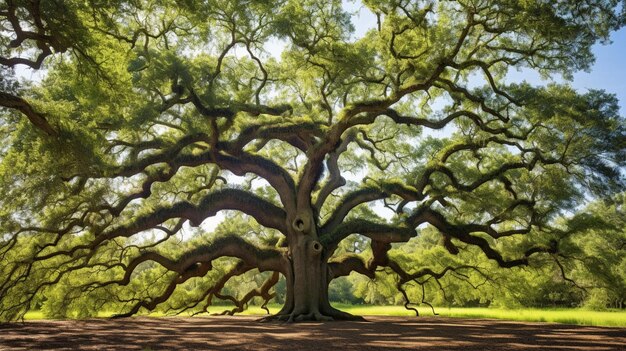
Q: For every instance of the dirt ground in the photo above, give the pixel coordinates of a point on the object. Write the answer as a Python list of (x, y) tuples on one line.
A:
[(244, 333)]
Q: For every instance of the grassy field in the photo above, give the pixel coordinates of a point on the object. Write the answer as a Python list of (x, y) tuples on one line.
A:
[(567, 316)]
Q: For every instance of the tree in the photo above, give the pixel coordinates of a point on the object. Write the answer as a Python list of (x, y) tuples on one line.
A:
[(597, 250), (152, 117)]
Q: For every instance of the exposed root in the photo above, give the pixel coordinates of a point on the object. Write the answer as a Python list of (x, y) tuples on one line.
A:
[(339, 315), (329, 314), (313, 317), (292, 318), (274, 318)]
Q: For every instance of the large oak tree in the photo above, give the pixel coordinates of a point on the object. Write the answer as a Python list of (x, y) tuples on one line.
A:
[(144, 118)]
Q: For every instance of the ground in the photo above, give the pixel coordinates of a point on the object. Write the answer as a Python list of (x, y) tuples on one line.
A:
[(244, 333)]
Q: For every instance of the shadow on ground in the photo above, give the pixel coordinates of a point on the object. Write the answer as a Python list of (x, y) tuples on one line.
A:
[(244, 333)]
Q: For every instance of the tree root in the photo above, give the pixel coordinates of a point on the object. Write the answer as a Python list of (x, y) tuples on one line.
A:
[(335, 315), (341, 315), (292, 318)]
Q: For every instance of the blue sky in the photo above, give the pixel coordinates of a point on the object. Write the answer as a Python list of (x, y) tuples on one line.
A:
[(609, 70), (608, 73)]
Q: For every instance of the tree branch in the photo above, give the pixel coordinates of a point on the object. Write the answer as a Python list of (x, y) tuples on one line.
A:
[(21, 105)]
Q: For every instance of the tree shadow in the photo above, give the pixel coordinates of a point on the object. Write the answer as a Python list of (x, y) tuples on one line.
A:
[(244, 333)]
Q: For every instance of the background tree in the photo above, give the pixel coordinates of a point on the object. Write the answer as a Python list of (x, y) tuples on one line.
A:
[(596, 259), (153, 117)]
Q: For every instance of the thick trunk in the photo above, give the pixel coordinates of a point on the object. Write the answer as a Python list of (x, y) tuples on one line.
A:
[(307, 278)]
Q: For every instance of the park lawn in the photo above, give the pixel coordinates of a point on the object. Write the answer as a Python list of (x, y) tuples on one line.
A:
[(563, 315), (567, 316)]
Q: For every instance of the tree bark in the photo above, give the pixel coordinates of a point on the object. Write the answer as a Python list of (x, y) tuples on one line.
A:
[(307, 278)]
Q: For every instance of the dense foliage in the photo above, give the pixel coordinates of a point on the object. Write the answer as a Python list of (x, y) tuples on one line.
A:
[(404, 155), (592, 274)]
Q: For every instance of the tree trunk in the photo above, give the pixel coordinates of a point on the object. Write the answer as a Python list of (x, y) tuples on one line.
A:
[(310, 279), (307, 278)]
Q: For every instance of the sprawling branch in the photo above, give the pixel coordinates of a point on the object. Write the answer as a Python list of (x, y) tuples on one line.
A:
[(298, 134), (232, 110), (349, 202), (266, 213), (21, 105), (382, 232), (263, 291), (463, 232), (367, 194), (197, 263), (152, 302), (335, 180), (29, 15), (317, 154), (242, 163), (237, 161), (344, 265)]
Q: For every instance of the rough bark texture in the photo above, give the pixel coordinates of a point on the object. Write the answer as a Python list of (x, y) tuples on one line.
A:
[(307, 275)]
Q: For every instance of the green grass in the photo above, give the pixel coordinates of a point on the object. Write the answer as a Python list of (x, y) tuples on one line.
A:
[(34, 315), (567, 316)]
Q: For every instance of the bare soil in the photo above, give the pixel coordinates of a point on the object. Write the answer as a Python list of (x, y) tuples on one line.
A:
[(245, 333)]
